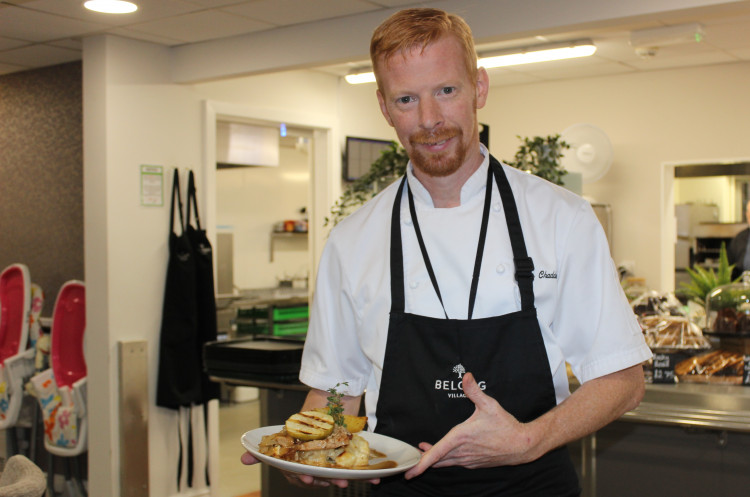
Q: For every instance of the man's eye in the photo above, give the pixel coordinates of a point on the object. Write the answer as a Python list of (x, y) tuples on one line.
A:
[(448, 90), (404, 100)]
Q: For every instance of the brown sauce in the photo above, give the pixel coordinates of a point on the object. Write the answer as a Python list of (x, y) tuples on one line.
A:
[(379, 465)]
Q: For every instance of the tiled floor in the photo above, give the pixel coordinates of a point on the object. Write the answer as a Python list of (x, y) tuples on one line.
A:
[(236, 479)]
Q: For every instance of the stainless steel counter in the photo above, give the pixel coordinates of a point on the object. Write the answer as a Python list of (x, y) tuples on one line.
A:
[(720, 407), (261, 296)]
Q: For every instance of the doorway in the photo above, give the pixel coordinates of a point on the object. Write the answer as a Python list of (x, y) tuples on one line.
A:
[(703, 206), (323, 186)]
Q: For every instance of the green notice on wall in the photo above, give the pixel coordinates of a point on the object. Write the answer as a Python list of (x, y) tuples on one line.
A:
[(152, 185)]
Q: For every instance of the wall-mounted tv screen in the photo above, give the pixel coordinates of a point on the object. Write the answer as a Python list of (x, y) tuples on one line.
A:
[(360, 154)]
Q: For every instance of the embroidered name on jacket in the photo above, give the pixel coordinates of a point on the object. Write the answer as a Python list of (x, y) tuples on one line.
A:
[(455, 388), (545, 274)]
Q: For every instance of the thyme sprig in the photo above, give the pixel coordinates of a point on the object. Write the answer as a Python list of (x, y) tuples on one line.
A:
[(335, 407)]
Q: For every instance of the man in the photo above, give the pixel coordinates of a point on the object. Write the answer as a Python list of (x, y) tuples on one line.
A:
[(738, 252), (456, 296)]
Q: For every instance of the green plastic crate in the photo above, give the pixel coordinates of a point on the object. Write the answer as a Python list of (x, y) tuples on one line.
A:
[(289, 313), (252, 328), (285, 329), (259, 312)]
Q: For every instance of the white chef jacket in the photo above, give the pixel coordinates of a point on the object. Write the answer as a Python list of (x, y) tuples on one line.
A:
[(583, 313)]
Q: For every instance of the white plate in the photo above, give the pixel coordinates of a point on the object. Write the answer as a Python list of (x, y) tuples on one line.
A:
[(402, 453)]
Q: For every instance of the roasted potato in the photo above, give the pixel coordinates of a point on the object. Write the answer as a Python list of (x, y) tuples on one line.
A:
[(354, 424)]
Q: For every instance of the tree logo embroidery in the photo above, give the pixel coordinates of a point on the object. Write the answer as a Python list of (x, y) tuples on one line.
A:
[(459, 370)]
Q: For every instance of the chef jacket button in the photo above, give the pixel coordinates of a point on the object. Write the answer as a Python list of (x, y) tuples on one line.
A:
[(496, 207), (500, 268), (413, 285), (408, 222)]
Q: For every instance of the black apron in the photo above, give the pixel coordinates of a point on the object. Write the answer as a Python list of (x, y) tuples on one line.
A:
[(179, 379), (204, 286), (421, 397)]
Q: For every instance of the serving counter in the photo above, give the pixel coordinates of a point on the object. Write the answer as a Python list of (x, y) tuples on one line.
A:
[(683, 439)]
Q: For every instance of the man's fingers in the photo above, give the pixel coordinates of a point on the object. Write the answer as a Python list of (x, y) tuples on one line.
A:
[(248, 458), (432, 454), (474, 393)]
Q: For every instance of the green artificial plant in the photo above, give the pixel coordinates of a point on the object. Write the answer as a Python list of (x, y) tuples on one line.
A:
[(703, 281), (541, 156)]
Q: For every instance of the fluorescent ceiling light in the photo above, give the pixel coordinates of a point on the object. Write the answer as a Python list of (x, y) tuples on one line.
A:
[(543, 53), (667, 35), (111, 6), (360, 77)]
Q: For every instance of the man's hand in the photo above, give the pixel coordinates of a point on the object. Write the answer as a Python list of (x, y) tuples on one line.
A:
[(493, 437), (490, 437)]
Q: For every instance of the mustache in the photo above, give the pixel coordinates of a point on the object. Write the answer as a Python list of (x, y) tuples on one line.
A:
[(431, 137)]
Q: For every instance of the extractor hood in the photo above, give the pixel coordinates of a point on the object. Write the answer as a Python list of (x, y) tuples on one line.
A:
[(242, 145)]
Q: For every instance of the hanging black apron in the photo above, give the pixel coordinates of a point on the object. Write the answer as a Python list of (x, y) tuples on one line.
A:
[(179, 379), (421, 397), (204, 287)]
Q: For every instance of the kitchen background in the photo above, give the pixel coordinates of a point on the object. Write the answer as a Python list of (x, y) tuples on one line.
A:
[(136, 111)]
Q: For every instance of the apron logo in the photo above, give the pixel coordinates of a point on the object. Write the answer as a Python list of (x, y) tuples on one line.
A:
[(455, 389), (544, 274), (459, 370)]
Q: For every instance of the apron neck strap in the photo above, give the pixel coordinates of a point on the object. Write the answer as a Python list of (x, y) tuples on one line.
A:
[(423, 248), (192, 202), (523, 263), (176, 196), (397, 256), (524, 266)]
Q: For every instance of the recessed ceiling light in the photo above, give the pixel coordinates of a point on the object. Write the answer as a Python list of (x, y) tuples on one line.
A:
[(111, 6)]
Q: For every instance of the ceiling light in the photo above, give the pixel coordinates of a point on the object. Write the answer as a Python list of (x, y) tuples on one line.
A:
[(111, 6), (360, 76), (667, 35), (540, 53)]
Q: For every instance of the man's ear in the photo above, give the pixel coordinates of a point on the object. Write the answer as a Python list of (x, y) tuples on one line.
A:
[(383, 108), (483, 86)]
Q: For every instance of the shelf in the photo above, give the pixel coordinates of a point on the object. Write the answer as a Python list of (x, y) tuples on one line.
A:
[(288, 235)]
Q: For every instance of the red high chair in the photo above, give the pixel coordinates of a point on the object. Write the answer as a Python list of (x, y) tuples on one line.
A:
[(61, 389), (16, 361)]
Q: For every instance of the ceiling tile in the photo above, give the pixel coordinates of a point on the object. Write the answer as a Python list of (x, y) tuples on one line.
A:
[(393, 3), (30, 25), (148, 10), (8, 43), (39, 56), (144, 36), (200, 26), (662, 62), (286, 12), (10, 68)]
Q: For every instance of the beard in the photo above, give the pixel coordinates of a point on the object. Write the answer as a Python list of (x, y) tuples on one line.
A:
[(440, 164)]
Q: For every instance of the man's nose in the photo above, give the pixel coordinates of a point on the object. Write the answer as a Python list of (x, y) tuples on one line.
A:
[(430, 114)]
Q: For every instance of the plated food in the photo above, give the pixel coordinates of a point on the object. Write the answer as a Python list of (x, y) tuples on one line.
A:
[(316, 438), (325, 442)]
